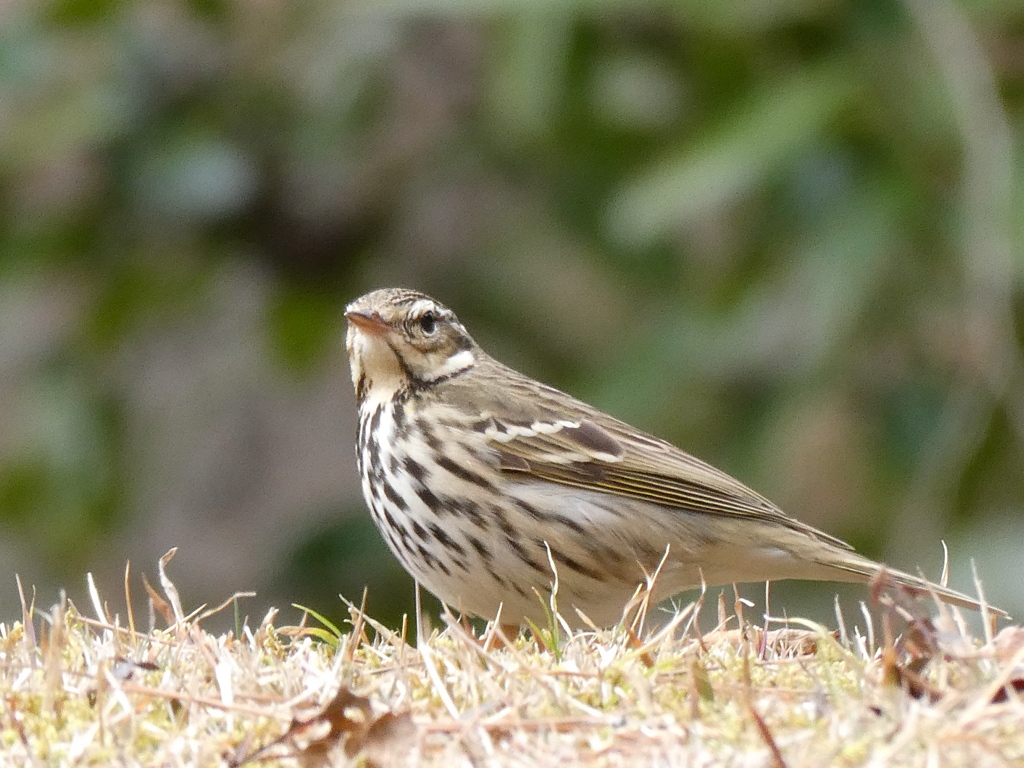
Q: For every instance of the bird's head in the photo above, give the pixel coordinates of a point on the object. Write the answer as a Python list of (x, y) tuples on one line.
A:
[(400, 339)]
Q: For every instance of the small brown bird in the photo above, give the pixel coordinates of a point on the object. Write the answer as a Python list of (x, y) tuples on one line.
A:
[(485, 483)]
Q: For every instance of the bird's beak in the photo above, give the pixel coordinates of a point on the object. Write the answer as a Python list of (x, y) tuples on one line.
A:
[(370, 322)]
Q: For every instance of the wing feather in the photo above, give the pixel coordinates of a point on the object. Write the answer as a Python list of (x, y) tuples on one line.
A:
[(585, 448)]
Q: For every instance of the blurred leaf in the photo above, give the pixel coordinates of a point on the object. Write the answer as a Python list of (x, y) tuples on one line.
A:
[(301, 324), (140, 292), (755, 140), (191, 173), (72, 12), (62, 123), (798, 319), (732, 16), (216, 10), (65, 473), (791, 320), (23, 489), (528, 75), (637, 92)]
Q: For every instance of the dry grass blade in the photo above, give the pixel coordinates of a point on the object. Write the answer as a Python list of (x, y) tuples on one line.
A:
[(795, 695)]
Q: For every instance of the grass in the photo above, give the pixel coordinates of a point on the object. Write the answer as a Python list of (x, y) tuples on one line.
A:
[(911, 690)]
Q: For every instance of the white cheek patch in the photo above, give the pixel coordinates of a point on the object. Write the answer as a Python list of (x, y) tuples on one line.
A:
[(460, 361)]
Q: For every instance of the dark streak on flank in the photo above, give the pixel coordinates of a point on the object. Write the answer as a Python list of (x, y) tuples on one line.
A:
[(432, 441), (471, 510), (531, 510), (569, 523), (420, 531), (414, 469), (432, 561), (394, 497), (441, 535), (516, 547), (550, 517), (574, 565), (481, 549), (462, 473), (394, 464), (394, 526), (506, 528), (428, 497)]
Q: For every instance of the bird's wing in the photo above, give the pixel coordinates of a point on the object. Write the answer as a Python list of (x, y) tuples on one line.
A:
[(612, 457)]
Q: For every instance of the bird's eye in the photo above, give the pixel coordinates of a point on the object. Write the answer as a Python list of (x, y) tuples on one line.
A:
[(428, 323)]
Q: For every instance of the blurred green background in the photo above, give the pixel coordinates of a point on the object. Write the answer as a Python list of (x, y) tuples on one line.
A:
[(785, 234)]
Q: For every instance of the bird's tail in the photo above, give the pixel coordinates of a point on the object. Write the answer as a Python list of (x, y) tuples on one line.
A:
[(862, 569)]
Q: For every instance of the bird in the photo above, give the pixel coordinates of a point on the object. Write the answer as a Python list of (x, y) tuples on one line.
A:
[(491, 488)]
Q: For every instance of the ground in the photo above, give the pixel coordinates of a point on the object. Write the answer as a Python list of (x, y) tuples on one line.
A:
[(915, 689)]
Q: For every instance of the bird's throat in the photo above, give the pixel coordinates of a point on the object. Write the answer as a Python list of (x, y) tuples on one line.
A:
[(377, 374)]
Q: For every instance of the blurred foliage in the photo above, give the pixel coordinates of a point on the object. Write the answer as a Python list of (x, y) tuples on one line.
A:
[(786, 235)]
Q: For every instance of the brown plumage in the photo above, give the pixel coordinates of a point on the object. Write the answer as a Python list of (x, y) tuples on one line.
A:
[(485, 482)]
